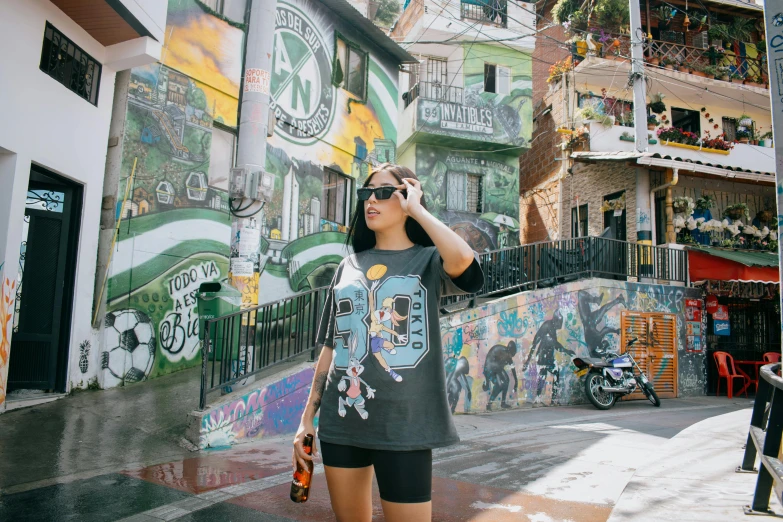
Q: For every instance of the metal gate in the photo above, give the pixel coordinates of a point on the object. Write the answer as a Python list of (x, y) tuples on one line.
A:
[(656, 349), (43, 297)]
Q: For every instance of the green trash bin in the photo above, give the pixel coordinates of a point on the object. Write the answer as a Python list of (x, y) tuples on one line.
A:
[(216, 300)]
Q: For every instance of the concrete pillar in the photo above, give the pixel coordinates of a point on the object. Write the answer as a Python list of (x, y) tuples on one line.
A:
[(671, 237), (643, 222), (111, 180)]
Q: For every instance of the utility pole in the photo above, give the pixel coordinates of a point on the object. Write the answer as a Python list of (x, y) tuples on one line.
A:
[(644, 213), (773, 24), (250, 186)]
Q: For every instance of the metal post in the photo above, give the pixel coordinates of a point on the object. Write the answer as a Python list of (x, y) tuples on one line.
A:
[(773, 10), (251, 147), (637, 74)]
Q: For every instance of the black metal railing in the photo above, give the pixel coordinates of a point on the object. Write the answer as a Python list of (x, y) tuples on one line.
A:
[(493, 12), (240, 345), (766, 428), (433, 91), (540, 265)]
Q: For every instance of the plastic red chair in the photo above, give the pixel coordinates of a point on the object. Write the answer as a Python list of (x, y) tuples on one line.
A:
[(726, 370), (772, 357)]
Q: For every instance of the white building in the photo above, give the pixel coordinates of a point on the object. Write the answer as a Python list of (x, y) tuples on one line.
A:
[(60, 65)]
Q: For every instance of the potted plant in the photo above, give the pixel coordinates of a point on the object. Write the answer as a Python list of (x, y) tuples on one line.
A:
[(765, 216), (654, 59), (745, 121), (698, 70), (743, 135), (683, 205), (737, 78), (650, 139), (656, 103), (766, 140), (652, 122), (588, 114), (737, 211), (710, 71), (627, 136), (723, 73), (755, 81), (667, 63)]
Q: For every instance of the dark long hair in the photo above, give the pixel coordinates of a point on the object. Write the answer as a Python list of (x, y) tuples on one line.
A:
[(361, 238)]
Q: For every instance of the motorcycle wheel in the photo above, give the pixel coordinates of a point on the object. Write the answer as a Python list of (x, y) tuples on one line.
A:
[(601, 400), (652, 396)]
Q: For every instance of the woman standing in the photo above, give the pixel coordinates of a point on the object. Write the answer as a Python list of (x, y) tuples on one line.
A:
[(380, 379)]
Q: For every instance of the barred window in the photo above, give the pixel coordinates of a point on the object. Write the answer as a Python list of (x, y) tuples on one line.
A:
[(67, 63)]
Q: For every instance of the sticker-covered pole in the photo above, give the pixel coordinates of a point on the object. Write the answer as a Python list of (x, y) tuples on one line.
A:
[(251, 147), (773, 23)]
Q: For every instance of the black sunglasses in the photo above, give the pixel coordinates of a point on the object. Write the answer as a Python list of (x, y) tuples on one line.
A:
[(384, 192)]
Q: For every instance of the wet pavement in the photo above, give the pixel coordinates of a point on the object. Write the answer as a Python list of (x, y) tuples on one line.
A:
[(115, 455)]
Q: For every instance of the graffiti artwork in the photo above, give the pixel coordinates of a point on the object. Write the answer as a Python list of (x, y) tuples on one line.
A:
[(531, 338), (7, 297), (176, 231)]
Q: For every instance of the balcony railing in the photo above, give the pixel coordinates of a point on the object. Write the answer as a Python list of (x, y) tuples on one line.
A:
[(493, 12), (434, 91), (240, 345)]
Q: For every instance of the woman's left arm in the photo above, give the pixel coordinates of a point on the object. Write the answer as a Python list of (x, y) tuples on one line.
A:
[(456, 253)]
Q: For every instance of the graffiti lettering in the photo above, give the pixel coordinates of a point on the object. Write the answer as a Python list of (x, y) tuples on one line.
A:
[(173, 335), (511, 325)]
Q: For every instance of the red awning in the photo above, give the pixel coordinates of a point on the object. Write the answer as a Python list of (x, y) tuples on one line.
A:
[(704, 265)]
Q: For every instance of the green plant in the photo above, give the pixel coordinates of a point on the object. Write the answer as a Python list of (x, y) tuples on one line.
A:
[(740, 28), (737, 76), (563, 10), (710, 70), (652, 120), (742, 133), (387, 13), (705, 202), (761, 46), (589, 112), (626, 134), (664, 13), (612, 14), (766, 136), (667, 61), (656, 103), (736, 211), (719, 32)]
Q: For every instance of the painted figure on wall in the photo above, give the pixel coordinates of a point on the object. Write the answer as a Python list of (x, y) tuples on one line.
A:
[(596, 337), (544, 346), (498, 359), (457, 380)]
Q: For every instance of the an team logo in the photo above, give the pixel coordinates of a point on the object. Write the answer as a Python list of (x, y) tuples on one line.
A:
[(301, 78)]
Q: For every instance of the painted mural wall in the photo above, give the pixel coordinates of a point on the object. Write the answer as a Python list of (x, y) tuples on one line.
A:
[(176, 231), (518, 350)]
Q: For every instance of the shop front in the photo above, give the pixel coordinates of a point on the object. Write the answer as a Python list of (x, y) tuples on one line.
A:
[(742, 308)]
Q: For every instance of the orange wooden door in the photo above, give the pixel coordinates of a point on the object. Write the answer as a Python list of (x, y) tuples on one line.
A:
[(655, 351)]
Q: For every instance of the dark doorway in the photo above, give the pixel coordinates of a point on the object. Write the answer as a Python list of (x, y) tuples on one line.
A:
[(614, 220), (39, 345)]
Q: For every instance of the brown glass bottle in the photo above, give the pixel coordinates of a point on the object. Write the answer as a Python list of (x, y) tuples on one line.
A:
[(300, 486)]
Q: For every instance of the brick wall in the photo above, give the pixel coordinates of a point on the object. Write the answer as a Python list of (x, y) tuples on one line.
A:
[(591, 183), (538, 167)]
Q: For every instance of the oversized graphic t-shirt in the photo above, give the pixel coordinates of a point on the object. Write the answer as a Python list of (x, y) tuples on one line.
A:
[(386, 386)]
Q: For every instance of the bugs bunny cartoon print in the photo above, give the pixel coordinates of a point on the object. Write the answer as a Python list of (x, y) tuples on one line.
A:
[(353, 383)]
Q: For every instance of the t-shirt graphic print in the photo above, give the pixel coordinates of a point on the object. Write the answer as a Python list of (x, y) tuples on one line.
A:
[(386, 384), (387, 321)]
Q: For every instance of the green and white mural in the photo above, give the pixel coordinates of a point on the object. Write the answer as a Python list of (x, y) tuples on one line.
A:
[(176, 232), (475, 193)]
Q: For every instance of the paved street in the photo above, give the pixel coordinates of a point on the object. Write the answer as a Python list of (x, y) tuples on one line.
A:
[(538, 465)]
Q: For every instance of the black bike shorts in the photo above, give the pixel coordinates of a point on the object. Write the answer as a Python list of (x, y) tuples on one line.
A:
[(404, 477)]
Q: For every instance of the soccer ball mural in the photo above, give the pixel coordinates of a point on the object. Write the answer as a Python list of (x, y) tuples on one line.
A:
[(130, 347)]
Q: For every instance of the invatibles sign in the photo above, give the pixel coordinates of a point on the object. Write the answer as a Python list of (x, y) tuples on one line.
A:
[(456, 119)]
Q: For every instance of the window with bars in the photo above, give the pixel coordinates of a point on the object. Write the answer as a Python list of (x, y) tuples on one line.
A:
[(464, 192), (67, 63), (335, 196), (436, 70)]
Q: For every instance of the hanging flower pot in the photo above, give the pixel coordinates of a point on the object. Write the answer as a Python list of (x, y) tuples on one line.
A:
[(746, 122)]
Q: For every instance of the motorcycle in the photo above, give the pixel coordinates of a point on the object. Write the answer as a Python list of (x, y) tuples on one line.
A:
[(612, 377)]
